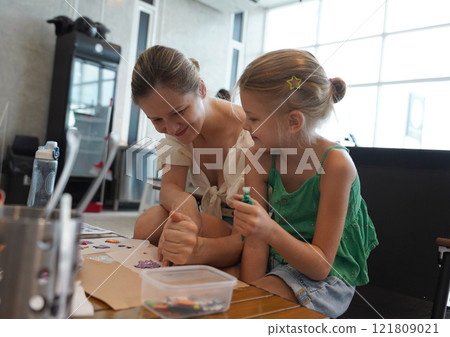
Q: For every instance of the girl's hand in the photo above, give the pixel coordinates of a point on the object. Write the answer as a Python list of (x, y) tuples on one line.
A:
[(251, 219), (178, 240)]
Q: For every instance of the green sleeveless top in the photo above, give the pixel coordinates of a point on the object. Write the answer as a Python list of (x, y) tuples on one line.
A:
[(297, 213)]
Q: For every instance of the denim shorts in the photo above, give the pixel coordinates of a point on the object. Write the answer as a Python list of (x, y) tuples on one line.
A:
[(330, 296)]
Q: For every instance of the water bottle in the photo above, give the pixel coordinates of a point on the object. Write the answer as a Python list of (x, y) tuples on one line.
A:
[(44, 172)]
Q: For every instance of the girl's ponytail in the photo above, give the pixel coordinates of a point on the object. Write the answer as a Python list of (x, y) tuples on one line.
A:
[(338, 89)]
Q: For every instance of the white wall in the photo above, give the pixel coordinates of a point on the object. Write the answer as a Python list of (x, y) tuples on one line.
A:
[(28, 42), (199, 32), (254, 42), (27, 50)]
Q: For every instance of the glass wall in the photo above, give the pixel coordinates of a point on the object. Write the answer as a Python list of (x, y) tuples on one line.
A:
[(394, 56), (90, 109)]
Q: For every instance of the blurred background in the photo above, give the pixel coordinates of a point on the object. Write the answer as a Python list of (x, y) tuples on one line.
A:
[(393, 54)]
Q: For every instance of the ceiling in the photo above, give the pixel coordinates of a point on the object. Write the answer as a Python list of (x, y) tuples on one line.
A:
[(275, 3), (235, 6)]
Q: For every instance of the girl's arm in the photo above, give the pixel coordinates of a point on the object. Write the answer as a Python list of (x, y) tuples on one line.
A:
[(256, 251), (254, 259), (315, 259)]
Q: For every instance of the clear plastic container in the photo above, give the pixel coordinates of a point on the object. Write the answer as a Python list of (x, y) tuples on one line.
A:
[(186, 291)]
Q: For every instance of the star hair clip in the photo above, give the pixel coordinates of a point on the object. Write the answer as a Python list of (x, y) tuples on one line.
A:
[(294, 82)]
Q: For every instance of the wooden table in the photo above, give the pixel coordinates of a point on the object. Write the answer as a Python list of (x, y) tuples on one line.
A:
[(246, 302)]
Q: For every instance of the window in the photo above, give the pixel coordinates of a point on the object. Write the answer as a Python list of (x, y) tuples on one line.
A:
[(236, 46), (237, 27), (143, 37), (394, 56), (144, 24), (234, 67)]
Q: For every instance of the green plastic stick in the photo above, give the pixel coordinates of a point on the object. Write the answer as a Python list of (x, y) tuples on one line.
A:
[(247, 198)]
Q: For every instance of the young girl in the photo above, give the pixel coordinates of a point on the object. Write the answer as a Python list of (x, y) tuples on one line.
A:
[(168, 88), (319, 236)]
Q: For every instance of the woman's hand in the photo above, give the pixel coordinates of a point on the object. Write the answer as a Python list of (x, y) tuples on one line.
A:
[(178, 240), (251, 219)]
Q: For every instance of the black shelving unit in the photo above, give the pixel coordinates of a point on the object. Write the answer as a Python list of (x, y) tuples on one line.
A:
[(82, 96)]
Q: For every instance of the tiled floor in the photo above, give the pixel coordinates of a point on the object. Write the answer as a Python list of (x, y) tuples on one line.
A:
[(121, 222)]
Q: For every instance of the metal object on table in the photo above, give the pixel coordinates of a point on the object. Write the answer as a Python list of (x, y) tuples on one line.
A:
[(30, 256)]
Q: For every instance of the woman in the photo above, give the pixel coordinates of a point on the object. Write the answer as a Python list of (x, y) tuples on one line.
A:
[(204, 137)]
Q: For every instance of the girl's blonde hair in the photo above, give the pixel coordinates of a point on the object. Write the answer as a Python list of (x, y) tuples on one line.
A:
[(269, 75), (164, 66)]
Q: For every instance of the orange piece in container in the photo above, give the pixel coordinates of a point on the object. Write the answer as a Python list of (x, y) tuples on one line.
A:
[(183, 302)]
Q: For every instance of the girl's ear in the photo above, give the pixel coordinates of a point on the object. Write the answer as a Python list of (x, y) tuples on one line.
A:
[(295, 121), (201, 88)]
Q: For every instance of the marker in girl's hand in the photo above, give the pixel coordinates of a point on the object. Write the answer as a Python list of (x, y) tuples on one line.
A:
[(247, 198)]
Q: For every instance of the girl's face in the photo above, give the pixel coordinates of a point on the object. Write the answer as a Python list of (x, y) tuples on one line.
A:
[(260, 119), (178, 115)]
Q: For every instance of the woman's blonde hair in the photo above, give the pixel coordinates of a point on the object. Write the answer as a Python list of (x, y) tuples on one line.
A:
[(164, 66), (309, 90)]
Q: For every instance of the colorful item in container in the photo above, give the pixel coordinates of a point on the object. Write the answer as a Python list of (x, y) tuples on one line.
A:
[(147, 264), (183, 307)]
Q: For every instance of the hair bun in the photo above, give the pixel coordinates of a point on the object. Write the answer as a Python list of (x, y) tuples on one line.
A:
[(196, 64), (338, 88)]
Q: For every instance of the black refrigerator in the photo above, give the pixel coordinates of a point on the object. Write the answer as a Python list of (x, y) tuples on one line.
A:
[(82, 97)]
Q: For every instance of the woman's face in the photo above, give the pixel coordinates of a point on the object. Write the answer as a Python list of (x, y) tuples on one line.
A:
[(178, 115)]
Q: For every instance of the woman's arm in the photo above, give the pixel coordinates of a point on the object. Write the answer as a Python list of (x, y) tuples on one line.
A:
[(150, 224), (183, 245), (219, 252), (180, 242), (173, 196), (316, 259)]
